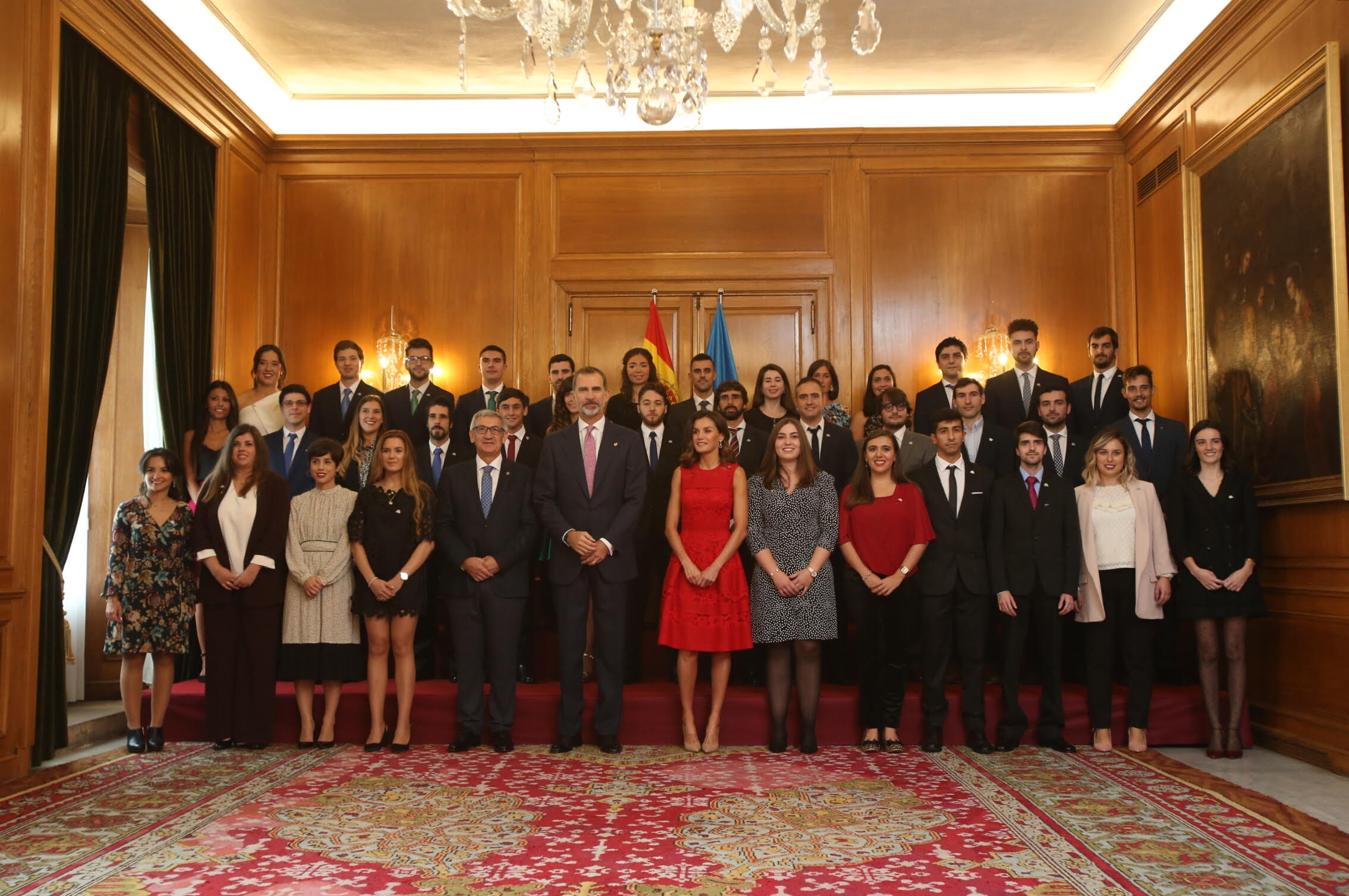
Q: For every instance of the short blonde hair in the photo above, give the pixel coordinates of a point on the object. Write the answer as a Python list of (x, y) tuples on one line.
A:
[(1110, 434)]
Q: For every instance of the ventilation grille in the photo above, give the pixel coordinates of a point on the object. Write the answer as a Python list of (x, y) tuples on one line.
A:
[(1165, 170)]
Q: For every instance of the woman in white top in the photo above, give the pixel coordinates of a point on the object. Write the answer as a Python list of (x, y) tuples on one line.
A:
[(1125, 580), (260, 407)]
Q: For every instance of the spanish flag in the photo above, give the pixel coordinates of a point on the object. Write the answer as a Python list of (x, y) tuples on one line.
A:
[(654, 342)]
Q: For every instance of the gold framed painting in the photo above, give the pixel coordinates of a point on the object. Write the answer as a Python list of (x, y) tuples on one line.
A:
[(1268, 326)]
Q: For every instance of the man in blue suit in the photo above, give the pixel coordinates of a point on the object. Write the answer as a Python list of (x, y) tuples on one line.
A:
[(287, 446), (1158, 443)]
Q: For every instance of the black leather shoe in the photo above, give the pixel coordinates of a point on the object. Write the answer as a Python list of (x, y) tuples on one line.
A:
[(808, 743), (1005, 746), (253, 745), (564, 745), (1059, 744), (395, 747), (135, 740), (222, 744), (777, 740), (932, 742), (501, 742), (523, 675), (465, 741), (154, 740), (608, 743), (979, 744)]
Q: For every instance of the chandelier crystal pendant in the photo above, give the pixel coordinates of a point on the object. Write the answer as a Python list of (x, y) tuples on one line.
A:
[(663, 62)]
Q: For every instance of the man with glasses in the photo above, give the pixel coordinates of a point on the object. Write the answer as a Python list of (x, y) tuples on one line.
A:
[(405, 406), (915, 449), (287, 446)]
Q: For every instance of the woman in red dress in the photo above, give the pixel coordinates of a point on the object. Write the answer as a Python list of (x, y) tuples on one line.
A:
[(705, 600)]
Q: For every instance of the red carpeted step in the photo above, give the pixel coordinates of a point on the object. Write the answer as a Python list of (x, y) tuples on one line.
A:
[(651, 714)]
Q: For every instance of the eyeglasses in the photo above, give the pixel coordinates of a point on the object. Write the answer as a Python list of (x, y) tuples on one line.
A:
[(484, 430), (421, 359)]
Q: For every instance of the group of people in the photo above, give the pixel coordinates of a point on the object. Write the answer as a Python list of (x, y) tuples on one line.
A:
[(324, 525)]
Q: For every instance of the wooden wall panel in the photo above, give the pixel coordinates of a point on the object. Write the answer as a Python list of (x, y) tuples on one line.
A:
[(238, 276)]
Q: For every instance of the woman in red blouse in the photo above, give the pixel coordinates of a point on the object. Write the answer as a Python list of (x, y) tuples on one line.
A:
[(883, 531)]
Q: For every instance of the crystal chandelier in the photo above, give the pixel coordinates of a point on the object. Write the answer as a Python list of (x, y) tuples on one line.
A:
[(391, 340), (992, 352), (661, 62)]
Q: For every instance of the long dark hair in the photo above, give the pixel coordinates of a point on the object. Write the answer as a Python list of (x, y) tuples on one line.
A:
[(832, 392), (257, 359), (871, 402), (1192, 456), (202, 421), (788, 403), (628, 386), (689, 457), (806, 471), (859, 491), (223, 474), (177, 488), (561, 416)]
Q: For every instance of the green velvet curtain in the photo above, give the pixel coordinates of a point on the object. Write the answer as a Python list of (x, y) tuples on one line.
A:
[(180, 191), (91, 176)]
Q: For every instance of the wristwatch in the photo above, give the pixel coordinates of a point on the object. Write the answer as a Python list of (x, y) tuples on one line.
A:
[(402, 575), (904, 570), (813, 573)]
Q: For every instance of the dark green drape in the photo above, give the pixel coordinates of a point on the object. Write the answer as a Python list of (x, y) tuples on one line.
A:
[(180, 192), (91, 176)]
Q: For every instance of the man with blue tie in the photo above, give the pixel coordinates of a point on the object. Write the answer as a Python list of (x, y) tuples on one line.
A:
[(286, 446), (433, 457), (437, 452), (331, 415), (1158, 442)]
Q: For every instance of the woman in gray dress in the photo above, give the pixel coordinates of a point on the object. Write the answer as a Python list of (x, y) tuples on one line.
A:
[(793, 527)]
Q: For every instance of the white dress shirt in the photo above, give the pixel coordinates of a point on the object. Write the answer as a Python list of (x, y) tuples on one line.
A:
[(236, 515), (943, 476), (646, 440)]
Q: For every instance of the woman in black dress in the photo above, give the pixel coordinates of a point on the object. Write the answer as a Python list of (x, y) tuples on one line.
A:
[(772, 399), (390, 533), (639, 368), (1215, 535), (879, 378)]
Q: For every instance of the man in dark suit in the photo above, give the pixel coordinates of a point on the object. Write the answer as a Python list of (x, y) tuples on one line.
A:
[(588, 492), (492, 373), (523, 447), (748, 444), (487, 534), (951, 354), (953, 578), (433, 457), (1098, 399), (287, 446), (331, 414), (1066, 451), (662, 444), (1158, 442), (703, 378), (1034, 554), (540, 415), (437, 453), (1014, 395), (405, 406), (834, 450), (985, 443)]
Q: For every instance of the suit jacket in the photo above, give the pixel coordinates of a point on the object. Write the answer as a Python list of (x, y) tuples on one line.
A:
[(996, 449), (509, 532), (267, 539), (753, 444), (327, 418), (1152, 553), (1168, 451), (398, 410), (421, 454), (915, 449), (299, 479), (838, 454), (1074, 456), (958, 549), (1028, 546), (1003, 394), (658, 490), (540, 416), (611, 512), (468, 404), (927, 404), (528, 450), (1113, 403), (681, 413)]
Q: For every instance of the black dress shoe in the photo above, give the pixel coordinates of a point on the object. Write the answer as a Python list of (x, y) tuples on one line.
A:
[(808, 743), (564, 745), (154, 739), (1059, 744), (777, 739), (223, 744), (523, 675), (135, 740), (979, 744), (253, 745), (932, 742), (501, 742), (1005, 746), (608, 743), (465, 741)]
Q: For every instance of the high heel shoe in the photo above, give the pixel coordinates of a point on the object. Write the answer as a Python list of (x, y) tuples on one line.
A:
[(395, 746), (691, 742), (374, 746), (777, 740), (135, 740), (1100, 740), (154, 739), (712, 740), (1215, 745), (1234, 747), (1138, 740)]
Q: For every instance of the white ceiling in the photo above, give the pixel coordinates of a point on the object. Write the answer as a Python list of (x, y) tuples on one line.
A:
[(362, 66)]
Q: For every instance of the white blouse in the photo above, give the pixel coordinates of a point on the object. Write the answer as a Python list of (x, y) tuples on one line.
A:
[(236, 515), (265, 414), (1112, 519)]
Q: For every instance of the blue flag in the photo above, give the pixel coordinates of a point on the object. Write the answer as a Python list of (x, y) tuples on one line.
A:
[(719, 347)]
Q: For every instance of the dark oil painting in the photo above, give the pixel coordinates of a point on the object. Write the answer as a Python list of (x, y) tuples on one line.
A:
[(1268, 290)]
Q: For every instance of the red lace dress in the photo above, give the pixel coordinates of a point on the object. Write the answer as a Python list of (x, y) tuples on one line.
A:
[(715, 618)]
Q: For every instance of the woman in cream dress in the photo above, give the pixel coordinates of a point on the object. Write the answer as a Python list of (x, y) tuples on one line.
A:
[(260, 406)]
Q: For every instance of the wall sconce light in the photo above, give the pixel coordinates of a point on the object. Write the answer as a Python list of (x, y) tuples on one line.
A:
[(392, 332), (992, 354)]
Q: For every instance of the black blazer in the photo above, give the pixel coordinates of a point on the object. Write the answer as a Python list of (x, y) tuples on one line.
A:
[(612, 512), (469, 403), (1168, 451), (267, 539), (1074, 455), (509, 533), (326, 418), (997, 451), (540, 416), (1113, 403), (421, 453), (1028, 547), (527, 451), (299, 479), (927, 404), (398, 410), (681, 413), (1003, 394), (958, 549), (623, 412), (658, 487), (1220, 532), (838, 454), (753, 445)]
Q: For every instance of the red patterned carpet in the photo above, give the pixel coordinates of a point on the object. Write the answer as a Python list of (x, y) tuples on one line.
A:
[(653, 821)]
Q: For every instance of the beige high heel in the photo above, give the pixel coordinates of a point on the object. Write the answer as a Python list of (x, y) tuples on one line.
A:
[(1100, 740), (713, 739), (1138, 740)]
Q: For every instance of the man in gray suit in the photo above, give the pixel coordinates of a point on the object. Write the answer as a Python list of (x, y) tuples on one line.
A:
[(915, 449)]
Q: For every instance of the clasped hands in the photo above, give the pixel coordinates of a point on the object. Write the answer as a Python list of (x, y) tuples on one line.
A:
[(480, 569), (701, 578), (592, 550), (1206, 577), (228, 580), (1007, 603), (793, 585)]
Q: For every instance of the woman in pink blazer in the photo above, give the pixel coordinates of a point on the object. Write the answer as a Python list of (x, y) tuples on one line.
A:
[(1125, 580)]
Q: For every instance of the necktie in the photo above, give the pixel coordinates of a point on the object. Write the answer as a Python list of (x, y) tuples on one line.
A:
[(1056, 451), (290, 450), (1031, 490), (653, 451), (1145, 436), (815, 442), (416, 397), (1096, 393), (491, 401), (437, 462), (734, 446), (346, 402), (486, 491), (1025, 392), (702, 405), (588, 458), (952, 495), (510, 449)]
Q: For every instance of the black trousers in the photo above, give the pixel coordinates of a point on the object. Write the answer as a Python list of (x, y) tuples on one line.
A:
[(535, 614), (485, 628), (1135, 638), (882, 647), (644, 601), (956, 621), (611, 606), (1039, 613), (241, 684)]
